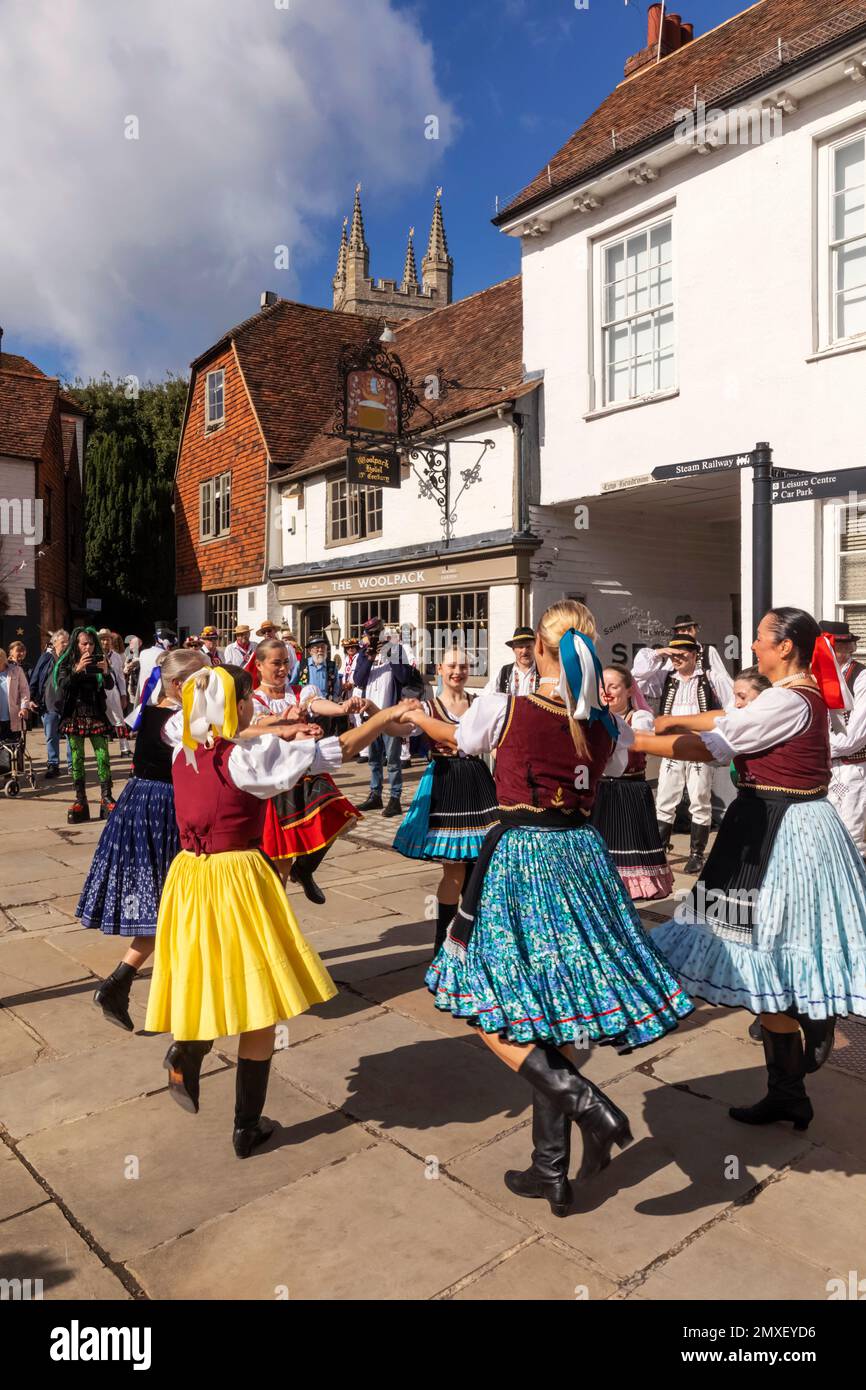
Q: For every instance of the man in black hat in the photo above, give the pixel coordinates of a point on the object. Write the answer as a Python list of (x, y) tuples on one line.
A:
[(652, 665), (517, 677), (687, 689), (848, 737)]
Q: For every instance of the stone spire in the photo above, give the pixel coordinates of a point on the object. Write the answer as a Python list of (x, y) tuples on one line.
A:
[(410, 270), (339, 281), (437, 266), (356, 236)]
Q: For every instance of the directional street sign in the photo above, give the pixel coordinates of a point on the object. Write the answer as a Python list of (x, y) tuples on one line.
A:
[(806, 487), (723, 463)]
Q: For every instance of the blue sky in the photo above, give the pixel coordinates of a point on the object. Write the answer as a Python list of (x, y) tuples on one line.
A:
[(133, 255)]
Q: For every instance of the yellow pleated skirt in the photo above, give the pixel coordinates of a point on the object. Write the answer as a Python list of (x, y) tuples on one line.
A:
[(229, 955)]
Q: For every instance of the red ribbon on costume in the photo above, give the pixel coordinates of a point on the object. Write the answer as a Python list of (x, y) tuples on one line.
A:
[(828, 674), (252, 666)]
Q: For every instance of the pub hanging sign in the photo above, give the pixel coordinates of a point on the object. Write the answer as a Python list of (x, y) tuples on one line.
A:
[(373, 468), (375, 399)]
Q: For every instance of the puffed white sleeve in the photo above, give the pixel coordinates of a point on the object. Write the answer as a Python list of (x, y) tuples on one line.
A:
[(267, 765), (719, 678), (616, 763), (774, 717), (308, 693), (480, 728), (649, 670), (852, 738), (172, 730)]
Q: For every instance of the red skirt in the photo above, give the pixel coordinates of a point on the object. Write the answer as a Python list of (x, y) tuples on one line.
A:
[(307, 818)]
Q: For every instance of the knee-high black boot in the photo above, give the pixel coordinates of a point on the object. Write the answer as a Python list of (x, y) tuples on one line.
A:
[(251, 1087), (548, 1174), (695, 862), (601, 1123), (819, 1035), (183, 1062), (786, 1097), (112, 995), (665, 829), (302, 871), (444, 917)]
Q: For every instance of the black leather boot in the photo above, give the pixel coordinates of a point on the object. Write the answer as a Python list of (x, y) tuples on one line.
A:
[(112, 996), (444, 917), (601, 1123), (373, 802), (183, 1062), (819, 1035), (695, 861), (79, 810), (107, 802), (786, 1097), (548, 1175), (394, 808), (665, 831), (302, 873), (251, 1087)]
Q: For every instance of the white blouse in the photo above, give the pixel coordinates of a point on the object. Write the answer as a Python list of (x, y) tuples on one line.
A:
[(774, 716), (267, 765), (852, 738), (263, 704), (480, 730)]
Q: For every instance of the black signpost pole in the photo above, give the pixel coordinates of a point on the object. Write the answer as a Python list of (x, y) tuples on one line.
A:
[(762, 532)]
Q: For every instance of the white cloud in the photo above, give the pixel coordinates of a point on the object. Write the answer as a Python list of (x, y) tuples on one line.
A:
[(254, 124)]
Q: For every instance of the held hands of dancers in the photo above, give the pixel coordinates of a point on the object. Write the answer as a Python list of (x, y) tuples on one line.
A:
[(385, 721)]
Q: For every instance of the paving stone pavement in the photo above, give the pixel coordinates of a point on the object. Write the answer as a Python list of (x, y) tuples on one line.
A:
[(384, 1179)]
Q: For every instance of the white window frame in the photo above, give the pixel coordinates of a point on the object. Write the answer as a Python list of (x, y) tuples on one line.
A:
[(222, 613), (600, 399), (826, 243), (214, 422), (215, 495), (353, 512)]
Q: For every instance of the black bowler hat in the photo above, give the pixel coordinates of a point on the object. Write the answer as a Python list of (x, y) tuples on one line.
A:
[(318, 639), (683, 644), (521, 634), (684, 620), (842, 630)]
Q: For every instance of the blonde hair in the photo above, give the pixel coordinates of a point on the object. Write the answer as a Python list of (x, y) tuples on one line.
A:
[(554, 623), (178, 666)]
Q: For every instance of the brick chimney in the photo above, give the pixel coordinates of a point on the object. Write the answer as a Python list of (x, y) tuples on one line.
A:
[(674, 35)]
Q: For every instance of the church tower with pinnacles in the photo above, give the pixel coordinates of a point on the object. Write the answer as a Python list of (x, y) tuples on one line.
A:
[(355, 292)]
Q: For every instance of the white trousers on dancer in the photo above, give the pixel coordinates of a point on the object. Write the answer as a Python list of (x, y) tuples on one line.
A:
[(848, 794), (697, 778)]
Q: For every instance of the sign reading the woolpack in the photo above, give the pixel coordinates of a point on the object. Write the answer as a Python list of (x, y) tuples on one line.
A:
[(376, 469), (805, 487), (721, 463)]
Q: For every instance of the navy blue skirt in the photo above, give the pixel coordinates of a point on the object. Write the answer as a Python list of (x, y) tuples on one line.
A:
[(122, 891)]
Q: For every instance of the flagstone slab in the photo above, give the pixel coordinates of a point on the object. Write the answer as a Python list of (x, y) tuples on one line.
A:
[(84, 1084), (821, 1213), (96, 952), (410, 1238), (29, 963), (17, 1048), (188, 1170), (728, 1262), (39, 890), (40, 918), (436, 1095), (19, 1190), (69, 1023), (537, 1273), (404, 991), (41, 1244), (360, 950)]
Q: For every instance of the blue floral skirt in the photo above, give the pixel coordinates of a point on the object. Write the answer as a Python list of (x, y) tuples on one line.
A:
[(807, 944), (122, 891), (452, 810), (558, 953)]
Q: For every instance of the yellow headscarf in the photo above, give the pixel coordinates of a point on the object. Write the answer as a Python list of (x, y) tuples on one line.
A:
[(210, 709)]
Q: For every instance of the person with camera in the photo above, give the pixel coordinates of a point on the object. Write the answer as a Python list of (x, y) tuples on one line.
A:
[(81, 679), (385, 675)]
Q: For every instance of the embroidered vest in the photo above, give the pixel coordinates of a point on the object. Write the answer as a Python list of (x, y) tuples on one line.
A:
[(152, 757), (213, 815), (854, 670), (706, 695), (802, 763), (537, 764)]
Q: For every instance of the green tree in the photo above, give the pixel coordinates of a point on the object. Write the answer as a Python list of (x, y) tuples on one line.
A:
[(129, 467)]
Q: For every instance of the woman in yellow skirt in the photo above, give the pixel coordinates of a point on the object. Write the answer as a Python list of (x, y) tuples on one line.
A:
[(230, 957)]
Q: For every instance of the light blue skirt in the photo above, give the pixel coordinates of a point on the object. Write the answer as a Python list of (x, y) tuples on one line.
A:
[(808, 945), (452, 810)]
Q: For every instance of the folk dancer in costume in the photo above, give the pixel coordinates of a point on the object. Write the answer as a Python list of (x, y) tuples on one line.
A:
[(239, 652), (351, 647), (230, 957), (455, 804), (81, 678), (302, 823), (624, 812), (209, 638), (777, 921), (517, 677), (122, 890), (848, 737), (547, 950), (165, 640), (684, 690)]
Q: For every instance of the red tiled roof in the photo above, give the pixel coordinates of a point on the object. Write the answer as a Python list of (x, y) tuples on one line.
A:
[(477, 340), (760, 43), (70, 439), (26, 403), (69, 404), (11, 362)]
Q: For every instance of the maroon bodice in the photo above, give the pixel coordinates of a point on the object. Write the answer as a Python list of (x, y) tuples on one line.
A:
[(537, 765), (801, 763), (213, 815)]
